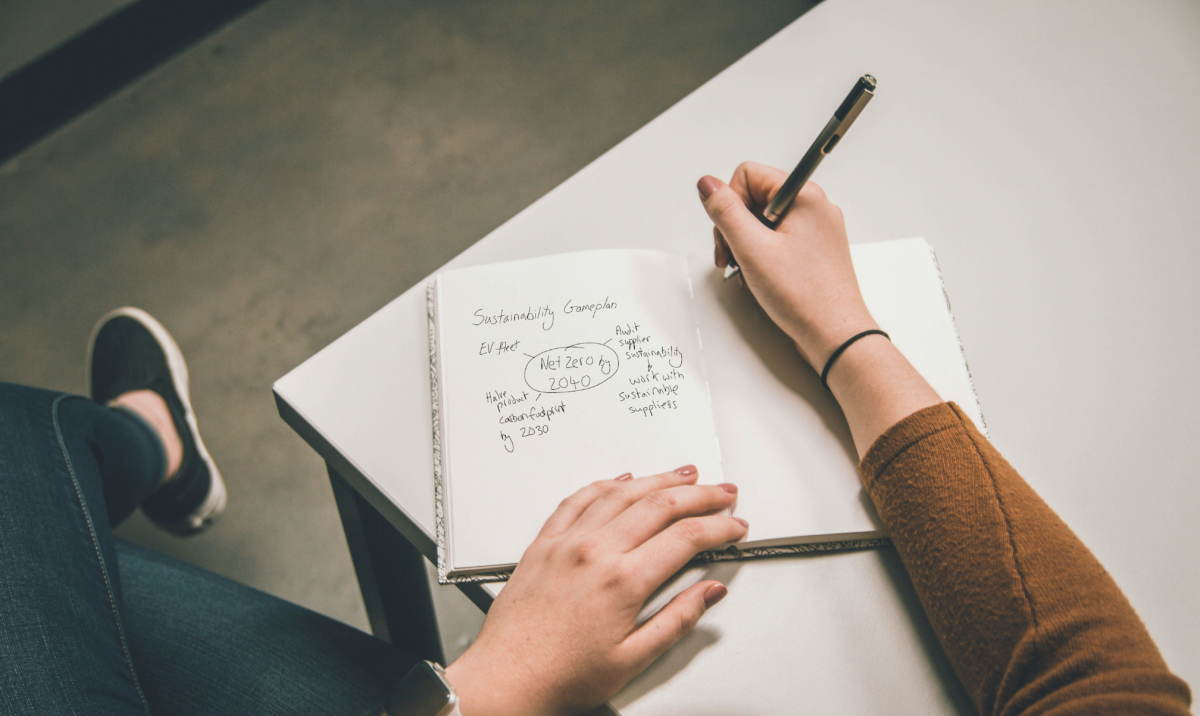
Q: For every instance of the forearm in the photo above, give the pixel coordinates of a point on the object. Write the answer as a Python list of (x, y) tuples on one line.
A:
[(1028, 617), (875, 385)]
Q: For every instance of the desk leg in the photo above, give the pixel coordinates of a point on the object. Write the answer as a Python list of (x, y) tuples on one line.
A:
[(391, 574)]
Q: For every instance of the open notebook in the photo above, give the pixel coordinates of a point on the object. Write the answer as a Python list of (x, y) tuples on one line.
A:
[(554, 372)]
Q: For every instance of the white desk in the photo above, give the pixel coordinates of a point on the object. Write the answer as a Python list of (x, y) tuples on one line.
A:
[(1050, 152)]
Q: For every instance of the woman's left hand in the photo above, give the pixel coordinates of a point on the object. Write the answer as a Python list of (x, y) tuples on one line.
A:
[(562, 637)]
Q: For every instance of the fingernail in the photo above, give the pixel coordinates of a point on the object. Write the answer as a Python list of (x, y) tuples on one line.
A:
[(707, 185), (742, 522), (728, 487), (626, 476), (714, 594), (686, 470)]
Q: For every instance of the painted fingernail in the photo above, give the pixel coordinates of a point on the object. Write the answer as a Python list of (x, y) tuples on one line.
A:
[(714, 594), (728, 487), (626, 476), (742, 522), (686, 470), (707, 185)]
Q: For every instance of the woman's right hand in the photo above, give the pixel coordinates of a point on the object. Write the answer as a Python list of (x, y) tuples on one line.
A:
[(800, 273), (802, 276)]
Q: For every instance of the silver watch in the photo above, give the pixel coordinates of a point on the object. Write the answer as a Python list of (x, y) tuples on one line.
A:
[(423, 691)]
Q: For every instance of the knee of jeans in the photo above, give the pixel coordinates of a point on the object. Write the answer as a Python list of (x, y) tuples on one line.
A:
[(20, 405), (22, 400), (24, 423)]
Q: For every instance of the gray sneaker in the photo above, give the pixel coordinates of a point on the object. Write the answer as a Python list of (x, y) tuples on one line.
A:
[(129, 350)]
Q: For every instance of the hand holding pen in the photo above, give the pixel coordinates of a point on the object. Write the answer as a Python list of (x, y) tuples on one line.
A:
[(834, 130), (801, 274)]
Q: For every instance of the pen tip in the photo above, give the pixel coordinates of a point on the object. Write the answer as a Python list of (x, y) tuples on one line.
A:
[(869, 81)]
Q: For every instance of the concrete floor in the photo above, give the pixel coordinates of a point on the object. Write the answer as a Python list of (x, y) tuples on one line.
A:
[(29, 29), (277, 183)]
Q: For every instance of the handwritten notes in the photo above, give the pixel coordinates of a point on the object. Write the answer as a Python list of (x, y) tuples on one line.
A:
[(556, 372), (572, 368)]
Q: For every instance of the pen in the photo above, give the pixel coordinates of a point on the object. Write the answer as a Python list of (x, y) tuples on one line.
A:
[(860, 94)]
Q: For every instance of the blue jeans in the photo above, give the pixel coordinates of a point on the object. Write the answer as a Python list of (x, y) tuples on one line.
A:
[(91, 624)]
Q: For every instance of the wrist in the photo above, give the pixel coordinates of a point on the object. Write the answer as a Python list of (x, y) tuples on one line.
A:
[(484, 691), (846, 345), (877, 387), (862, 361), (820, 343), (473, 697)]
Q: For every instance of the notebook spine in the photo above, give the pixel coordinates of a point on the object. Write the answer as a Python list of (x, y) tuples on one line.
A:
[(438, 491)]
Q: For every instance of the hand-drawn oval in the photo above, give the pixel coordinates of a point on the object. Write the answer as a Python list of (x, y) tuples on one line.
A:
[(573, 368)]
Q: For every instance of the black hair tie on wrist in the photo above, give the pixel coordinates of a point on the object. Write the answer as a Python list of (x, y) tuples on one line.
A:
[(842, 349)]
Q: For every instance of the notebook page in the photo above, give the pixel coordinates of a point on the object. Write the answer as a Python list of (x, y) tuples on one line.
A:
[(784, 440), (556, 372)]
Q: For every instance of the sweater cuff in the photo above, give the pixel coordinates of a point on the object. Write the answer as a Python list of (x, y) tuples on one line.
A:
[(907, 433)]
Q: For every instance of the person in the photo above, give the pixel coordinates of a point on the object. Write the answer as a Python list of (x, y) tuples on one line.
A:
[(1028, 618)]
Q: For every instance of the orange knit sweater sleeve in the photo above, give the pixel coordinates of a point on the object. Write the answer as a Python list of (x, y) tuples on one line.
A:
[(1029, 619)]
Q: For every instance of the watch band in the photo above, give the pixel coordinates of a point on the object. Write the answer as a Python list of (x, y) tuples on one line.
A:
[(424, 691)]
